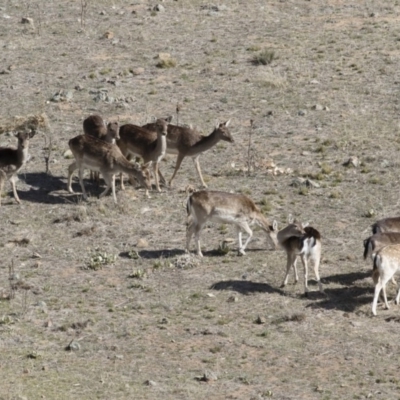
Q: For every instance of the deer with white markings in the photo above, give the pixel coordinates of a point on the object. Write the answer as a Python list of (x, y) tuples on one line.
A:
[(386, 264), (306, 246), (12, 160)]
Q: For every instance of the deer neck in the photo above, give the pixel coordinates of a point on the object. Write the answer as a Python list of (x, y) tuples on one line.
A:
[(205, 143), (22, 155), (161, 145)]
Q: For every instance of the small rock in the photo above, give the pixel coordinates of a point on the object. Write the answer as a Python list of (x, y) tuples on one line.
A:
[(138, 71), (260, 320), (73, 346), (103, 12), (317, 107), (150, 383), (68, 154), (302, 113), (311, 183), (36, 255), (314, 82), (352, 161), (142, 243), (298, 182), (207, 377), (233, 299), (159, 8), (108, 35), (27, 20), (210, 295)]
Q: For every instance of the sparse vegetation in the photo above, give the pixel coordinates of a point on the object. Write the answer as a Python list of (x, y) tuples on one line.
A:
[(165, 323)]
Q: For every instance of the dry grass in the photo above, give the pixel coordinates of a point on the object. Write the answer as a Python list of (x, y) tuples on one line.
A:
[(109, 306)]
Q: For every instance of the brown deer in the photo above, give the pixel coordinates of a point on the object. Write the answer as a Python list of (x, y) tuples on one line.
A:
[(386, 225), (187, 142), (229, 208), (137, 141), (98, 155), (12, 160), (94, 125)]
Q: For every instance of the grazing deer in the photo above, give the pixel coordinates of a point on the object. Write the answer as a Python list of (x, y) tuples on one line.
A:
[(224, 207), (307, 247), (386, 225), (12, 160), (135, 140), (187, 142), (386, 264), (98, 155)]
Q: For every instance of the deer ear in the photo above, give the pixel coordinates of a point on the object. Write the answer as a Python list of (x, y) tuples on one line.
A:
[(275, 225), (169, 118), (290, 219), (227, 123), (305, 224)]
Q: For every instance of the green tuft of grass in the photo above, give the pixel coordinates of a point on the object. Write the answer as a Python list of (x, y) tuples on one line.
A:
[(264, 58)]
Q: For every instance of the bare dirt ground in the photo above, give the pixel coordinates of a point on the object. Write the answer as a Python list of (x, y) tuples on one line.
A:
[(143, 321)]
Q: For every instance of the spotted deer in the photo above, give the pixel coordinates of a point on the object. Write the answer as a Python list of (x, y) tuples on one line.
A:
[(12, 160), (187, 142), (151, 146), (98, 155)]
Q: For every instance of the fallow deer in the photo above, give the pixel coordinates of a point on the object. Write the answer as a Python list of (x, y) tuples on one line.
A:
[(224, 207), (94, 125), (307, 247), (386, 225), (12, 160), (386, 264), (98, 155), (137, 141), (187, 142)]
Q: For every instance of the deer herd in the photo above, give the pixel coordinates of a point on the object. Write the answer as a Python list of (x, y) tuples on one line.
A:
[(107, 149)]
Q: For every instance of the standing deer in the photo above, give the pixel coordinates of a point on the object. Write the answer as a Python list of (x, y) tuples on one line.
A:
[(307, 247), (187, 142), (386, 264), (95, 126), (12, 160), (224, 207), (138, 141), (98, 155)]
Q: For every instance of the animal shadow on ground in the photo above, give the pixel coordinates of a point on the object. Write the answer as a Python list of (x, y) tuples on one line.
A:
[(154, 254), (246, 287), (347, 298), (41, 187)]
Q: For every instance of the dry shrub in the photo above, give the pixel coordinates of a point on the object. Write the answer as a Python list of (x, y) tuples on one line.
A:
[(26, 122)]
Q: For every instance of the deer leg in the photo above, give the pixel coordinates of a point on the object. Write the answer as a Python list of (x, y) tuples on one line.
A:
[(316, 272), (246, 228), (81, 182), (398, 297), (177, 166), (197, 229), (162, 179), (191, 226), (291, 260), (155, 171), (73, 167), (305, 265), (110, 182), (197, 166), (14, 188), (3, 178)]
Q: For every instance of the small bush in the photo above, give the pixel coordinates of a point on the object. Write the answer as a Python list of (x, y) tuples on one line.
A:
[(264, 58), (166, 63)]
